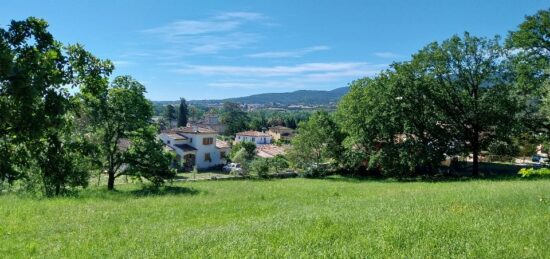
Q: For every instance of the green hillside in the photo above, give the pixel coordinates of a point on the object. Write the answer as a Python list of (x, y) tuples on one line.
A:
[(303, 97)]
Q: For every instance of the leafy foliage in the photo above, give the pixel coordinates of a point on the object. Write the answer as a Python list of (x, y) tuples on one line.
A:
[(234, 118), (146, 158), (260, 167), (318, 140), (36, 139), (249, 149), (450, 99), (531, 172)]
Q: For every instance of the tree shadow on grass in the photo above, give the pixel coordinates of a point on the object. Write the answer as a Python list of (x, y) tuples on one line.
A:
[(461, 173), (124, 193)]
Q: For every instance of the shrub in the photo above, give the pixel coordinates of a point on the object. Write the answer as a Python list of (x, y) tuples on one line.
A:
[(316, 170), (531, 172), (260, 167)]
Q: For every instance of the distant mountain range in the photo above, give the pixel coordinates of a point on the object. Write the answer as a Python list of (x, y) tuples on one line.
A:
[(300, 97)]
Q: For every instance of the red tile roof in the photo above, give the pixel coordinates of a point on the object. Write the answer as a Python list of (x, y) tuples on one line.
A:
[(252, 133), (268, 151), (278, 128), (175, 136), (221, 144), (192, 130)]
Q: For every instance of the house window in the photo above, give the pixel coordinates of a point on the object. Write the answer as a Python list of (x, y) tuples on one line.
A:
[(207, 157), (207, 141), (222, 154), (253, 139), (168, 142)]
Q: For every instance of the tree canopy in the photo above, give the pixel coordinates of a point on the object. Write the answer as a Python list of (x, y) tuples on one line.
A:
[(51, 139), (234, 118)]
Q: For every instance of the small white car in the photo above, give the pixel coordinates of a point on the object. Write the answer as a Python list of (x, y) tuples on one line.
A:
[(232, 167)]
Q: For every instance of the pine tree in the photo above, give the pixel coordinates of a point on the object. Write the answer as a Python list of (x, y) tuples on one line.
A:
[(183, 113)]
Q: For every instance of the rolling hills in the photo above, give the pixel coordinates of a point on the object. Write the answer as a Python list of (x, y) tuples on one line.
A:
[(303, 97)]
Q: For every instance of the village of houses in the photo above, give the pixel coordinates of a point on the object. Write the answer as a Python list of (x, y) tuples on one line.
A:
[(197, 146)]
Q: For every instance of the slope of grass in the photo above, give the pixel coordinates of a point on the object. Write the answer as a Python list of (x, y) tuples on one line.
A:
[(285, 218)]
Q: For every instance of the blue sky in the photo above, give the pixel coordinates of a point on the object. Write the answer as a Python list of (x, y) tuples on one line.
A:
[(218, 49)]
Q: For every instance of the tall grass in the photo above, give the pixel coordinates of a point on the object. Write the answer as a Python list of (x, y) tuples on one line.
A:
[(285, 218)]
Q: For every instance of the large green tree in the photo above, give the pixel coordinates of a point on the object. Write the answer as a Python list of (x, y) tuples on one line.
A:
[(318, 140), (468, 90), (390, 124), (125, 121), (234, 118), (115, 119), (451, 98), (36, 141), (529, 66)]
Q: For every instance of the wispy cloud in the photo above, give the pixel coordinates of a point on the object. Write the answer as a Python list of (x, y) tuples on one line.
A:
[(210, 35), (270, 71), (288, 54), (255, 84), (306, 75), (122, 63), (241, 15), (387, 55)]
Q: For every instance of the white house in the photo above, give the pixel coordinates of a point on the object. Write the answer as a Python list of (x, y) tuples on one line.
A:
[(256, 137), (195, 146)]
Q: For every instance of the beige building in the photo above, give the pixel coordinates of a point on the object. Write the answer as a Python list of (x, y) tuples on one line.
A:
[(280, 132), (210, 121)]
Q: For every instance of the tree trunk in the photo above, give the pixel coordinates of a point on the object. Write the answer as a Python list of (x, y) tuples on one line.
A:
[(475, 151), (111, 181)]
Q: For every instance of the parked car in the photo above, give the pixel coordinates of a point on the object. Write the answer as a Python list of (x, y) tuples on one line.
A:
[(232, 167)]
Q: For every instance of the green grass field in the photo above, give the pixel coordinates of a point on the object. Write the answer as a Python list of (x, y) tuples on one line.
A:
[(285, 218)]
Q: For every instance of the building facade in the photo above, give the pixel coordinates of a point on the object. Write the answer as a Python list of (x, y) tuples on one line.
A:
[(281, 133), (195, 146), (256, 137)]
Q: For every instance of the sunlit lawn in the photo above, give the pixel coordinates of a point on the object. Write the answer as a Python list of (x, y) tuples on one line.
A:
[(285, 218)]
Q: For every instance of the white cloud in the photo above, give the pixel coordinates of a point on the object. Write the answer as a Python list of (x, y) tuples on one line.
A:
[(387, 55), (300, 76), (207, 36), (288, 54), (284, 84), (263, 71), (188, 27), (241, 15), (122, 63)]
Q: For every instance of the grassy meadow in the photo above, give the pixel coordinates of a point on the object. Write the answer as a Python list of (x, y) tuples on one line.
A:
[(335, 217)]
